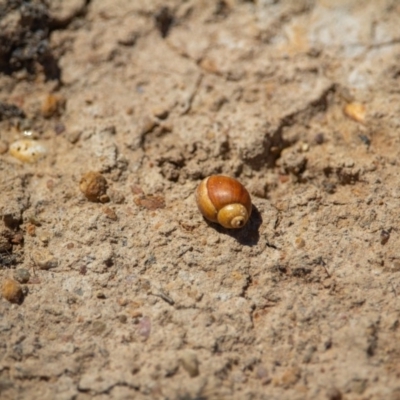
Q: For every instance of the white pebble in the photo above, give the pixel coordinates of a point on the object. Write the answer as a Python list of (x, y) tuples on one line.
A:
[(27, 150)]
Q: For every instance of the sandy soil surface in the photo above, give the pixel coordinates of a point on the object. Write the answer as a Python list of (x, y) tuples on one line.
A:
[(131, 294)]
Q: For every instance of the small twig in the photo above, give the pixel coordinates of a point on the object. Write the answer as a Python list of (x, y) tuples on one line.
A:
[(322, 263), (187, 104), (163, 296), (394, 289)]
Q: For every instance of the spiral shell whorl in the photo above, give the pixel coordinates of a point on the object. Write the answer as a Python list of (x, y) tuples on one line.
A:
[(233, 216)]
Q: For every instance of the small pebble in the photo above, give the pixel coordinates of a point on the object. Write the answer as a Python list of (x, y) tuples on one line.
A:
[(123, 301), (18, 238), (52, 336), (305, 147), (365, 139), (98, 327), (130, 111), (30, 229), (50, 184), (52, 104), (150, 202), (355, 111), (44, 259), (73, 135), (44, 237), (110, 213), (190, 363), (262, 374), (94, 186), (319, 138), (395, 267), (289, 378), (122, 318), (59, 128), (299, 242), (329, 187), (147, 125), (333, 394), (22, 275), (11, 290), (27, 150), (116, 196), (136, 314), (144, 328), (345, 94), (160, 112), (385, 236), (283, 178)]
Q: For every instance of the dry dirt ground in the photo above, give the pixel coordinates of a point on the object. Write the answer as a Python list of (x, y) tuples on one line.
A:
[(137, 296)]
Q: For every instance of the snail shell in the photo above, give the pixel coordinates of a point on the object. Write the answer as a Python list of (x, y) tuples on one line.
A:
[(224, 200)]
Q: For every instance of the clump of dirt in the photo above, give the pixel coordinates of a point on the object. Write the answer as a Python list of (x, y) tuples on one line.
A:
[(25, 32)]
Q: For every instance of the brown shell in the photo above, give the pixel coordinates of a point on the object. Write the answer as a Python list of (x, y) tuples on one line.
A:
[(218, 191)]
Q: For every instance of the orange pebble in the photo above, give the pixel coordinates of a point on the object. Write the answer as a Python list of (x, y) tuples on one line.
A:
[(355, 111), (11, 290)]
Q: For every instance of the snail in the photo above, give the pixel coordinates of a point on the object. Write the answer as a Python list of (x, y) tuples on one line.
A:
[(224, 200)]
